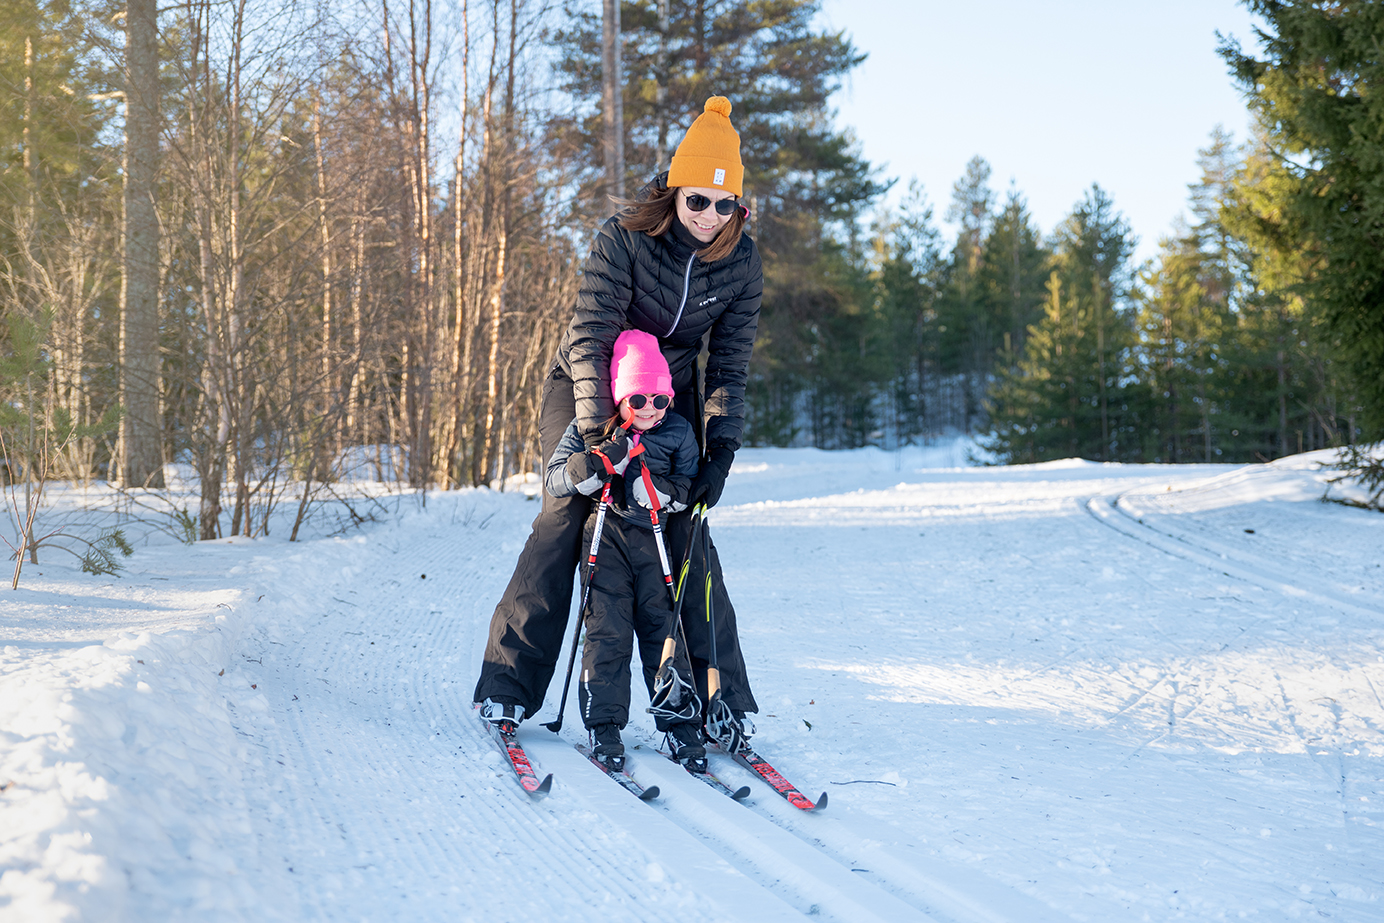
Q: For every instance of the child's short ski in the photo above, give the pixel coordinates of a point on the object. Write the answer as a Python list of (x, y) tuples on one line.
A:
[(753, 761), (737, 794), (519, 761), (619, 775)]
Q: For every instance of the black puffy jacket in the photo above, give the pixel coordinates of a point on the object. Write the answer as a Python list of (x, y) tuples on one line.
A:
[(656, 284)]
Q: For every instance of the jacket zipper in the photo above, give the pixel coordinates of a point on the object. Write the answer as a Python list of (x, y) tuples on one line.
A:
[(686, 285)]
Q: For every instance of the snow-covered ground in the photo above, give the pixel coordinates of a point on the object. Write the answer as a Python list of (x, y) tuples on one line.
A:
[(1062, 691)]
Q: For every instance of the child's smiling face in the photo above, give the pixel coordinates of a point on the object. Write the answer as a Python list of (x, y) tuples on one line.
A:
[(645, 418)]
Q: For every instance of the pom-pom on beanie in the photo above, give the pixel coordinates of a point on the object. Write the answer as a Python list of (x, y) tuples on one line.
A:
[(637, 366), (709, 155)]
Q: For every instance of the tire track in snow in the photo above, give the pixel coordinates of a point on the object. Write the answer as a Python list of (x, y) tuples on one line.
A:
[(1331, 758), (1107, 511), (1133, 703), (1335, 771), (1113, 512)]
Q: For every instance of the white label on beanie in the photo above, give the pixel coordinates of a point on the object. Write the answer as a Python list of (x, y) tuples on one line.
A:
[(720, 179)]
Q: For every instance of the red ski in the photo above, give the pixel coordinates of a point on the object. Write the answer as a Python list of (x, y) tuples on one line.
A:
[(519, 761), (760, 767)]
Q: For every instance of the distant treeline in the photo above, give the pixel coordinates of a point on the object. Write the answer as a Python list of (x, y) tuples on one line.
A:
[(260, 239), (1058, 345)]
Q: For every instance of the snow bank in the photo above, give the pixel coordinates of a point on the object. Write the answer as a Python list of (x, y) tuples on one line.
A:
[(127, 749)]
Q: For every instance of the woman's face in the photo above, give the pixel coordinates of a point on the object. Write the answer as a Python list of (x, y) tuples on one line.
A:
[(707, 223)]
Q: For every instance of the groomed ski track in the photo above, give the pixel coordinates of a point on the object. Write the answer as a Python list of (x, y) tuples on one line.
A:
[(380, 786)]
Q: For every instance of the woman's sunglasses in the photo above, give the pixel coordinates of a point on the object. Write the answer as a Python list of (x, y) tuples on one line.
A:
[(637, 401), (696, 202)]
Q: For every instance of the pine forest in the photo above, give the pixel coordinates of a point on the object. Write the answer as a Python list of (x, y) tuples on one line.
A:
[(270, 244)]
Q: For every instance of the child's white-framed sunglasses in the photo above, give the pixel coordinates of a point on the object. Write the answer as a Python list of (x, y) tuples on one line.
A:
[(637, 401)]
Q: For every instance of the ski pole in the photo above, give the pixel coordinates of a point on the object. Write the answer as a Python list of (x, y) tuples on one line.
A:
[(713, 668), (720, 720), (652, 493), (668, 684), (556, 724)]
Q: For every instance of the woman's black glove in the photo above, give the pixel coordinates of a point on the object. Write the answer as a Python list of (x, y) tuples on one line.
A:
[(711, 479)]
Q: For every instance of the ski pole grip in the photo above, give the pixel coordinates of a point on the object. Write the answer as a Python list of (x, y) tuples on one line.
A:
[(713, 683), (669, 648)]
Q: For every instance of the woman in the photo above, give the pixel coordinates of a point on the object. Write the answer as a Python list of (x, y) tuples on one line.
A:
[(676, 264)]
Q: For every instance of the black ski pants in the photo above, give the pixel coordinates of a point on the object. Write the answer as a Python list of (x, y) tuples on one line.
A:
[(528, 627), (629, 601)]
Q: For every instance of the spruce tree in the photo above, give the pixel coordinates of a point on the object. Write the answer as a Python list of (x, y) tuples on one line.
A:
[(1184, 320), (1286, 378), (1316, 90), (966, 331), (908, 259), (1074, 394), (1012, 277)]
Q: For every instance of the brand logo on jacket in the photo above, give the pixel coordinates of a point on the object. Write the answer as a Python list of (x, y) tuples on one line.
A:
[(704, 303), (720, 178)]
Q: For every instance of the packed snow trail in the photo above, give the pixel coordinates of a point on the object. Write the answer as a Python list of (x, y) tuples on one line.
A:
[(378, 682), (1156, 730), (1056, 691), (396, 805)]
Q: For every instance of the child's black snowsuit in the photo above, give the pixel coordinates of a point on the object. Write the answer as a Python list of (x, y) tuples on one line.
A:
[(628, 598)]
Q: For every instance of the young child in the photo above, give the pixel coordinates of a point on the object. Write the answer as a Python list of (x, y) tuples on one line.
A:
[(628, 596)]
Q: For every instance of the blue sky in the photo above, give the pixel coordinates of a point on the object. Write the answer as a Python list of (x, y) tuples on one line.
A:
[(1054, 95)]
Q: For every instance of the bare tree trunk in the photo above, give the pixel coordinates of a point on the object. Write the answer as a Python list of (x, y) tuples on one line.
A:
[(497, 306), (492, 175), (213, 410), (354, 432), (420, 173), (497, 297), (612, 100), (1100, 363), (242, 434), (1282, 369), (141, 457), (460, 377), (1205, 419), (329, 384), (662, 74), (30, 161)]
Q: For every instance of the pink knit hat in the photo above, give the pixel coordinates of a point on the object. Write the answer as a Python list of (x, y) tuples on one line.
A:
[(637, 366)]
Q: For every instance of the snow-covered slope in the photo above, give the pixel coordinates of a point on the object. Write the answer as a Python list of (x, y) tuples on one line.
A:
[(1062, 691)]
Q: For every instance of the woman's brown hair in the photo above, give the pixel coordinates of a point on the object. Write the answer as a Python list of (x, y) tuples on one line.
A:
[(655, 213)]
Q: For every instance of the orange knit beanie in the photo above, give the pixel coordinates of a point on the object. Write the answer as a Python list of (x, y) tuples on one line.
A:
[(709, 155)]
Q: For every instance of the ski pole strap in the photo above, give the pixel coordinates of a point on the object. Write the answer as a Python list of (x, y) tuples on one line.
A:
[(610, 469), (653, 492)]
